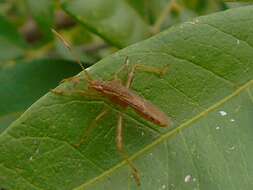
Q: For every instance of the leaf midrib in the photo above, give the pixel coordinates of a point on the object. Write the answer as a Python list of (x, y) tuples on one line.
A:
[(170, 133)]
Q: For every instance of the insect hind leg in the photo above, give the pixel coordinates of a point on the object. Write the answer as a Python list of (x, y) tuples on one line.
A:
[(119, 144), (94, 123)]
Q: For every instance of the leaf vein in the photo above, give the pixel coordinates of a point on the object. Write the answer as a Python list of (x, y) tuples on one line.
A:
[(68, 144), (202, 67), (25, 179), (170, 133), (229, 34)]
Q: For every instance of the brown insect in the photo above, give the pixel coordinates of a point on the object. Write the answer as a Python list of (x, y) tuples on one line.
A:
[(121, 95)]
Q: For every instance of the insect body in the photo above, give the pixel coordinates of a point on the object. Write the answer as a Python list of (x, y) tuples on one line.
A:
[(125, 97)]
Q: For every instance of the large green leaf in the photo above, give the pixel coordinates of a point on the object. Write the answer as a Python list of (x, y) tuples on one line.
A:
[(11, 43), (207, 93), (23, 83), (113, 20)]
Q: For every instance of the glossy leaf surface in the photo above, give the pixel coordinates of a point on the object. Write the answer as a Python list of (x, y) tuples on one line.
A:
[(207, 93)]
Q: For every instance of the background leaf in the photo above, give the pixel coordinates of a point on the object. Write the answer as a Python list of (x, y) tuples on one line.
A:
[(115, 21), (149, 10), (207, 93), (24, 82)]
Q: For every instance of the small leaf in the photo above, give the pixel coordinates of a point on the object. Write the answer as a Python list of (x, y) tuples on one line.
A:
[(23, 83), (115, 21), (207, 93)]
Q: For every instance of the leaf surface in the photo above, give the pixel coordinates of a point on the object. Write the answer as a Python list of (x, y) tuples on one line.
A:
[(207, 93)]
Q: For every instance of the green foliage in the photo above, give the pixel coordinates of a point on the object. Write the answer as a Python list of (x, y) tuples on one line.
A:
[(207, 93), (43, 12), (112, 20), (12, 45), (22, 83)]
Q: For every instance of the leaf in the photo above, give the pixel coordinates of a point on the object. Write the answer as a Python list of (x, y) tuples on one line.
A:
[(115, 21), (204, 6), (149, 10), (24, 82), (207, 93), (12, 45)]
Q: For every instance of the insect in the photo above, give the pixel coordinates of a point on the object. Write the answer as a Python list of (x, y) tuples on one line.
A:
[(121, 95)]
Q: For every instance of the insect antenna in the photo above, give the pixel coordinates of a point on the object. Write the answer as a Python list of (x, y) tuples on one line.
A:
[(68, 46)]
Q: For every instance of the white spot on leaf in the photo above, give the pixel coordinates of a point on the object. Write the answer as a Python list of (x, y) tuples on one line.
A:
[(187, 178), (223, 113), (232, 120), (232, 148)]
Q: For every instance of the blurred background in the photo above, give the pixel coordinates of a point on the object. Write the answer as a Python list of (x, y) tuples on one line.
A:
[(33, 60), (94, 28)]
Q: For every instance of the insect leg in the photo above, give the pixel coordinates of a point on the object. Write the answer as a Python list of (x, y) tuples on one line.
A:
[(119, 143), (159, 71), (122, 68), (74, 80), (151, 69), (87, 131), (130, 77), (86, 93)]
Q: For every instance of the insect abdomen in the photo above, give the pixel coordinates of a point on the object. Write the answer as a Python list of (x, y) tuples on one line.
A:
[(124, 97)]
